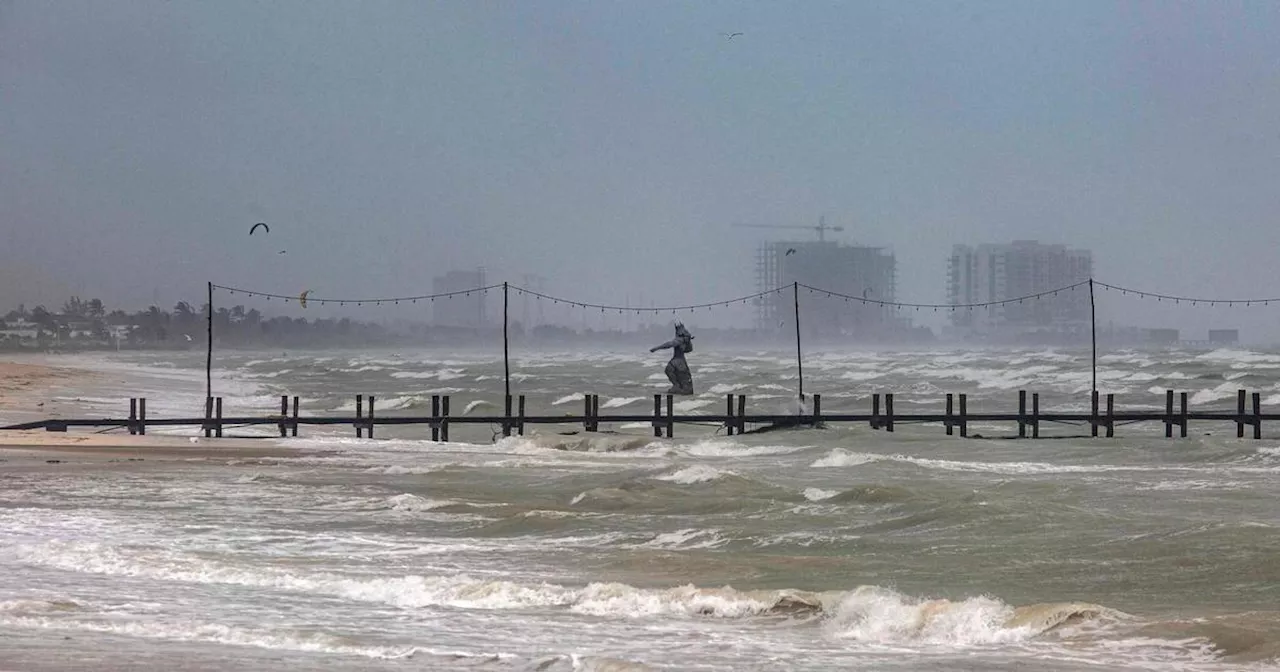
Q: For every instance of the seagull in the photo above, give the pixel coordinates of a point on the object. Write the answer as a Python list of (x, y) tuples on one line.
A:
[(730, 36), (790, 251)]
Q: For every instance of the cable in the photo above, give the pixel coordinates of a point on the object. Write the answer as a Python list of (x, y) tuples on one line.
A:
[(1179, 299), (951, 306), (393, 299), (638, 310)]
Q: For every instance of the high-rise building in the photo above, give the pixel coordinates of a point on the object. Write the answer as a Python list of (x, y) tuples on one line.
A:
[(998, 272), (466, 309), (852, 270)]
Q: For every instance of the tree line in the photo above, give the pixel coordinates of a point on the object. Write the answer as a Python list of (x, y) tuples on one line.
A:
[(88, 324)]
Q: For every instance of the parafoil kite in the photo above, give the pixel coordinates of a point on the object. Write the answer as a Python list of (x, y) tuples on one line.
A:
[(302, 298), (255, 227)]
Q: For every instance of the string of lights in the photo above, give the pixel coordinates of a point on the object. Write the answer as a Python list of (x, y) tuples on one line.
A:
[(305, 298), (1195, 301), (950, 306), (638, 310)]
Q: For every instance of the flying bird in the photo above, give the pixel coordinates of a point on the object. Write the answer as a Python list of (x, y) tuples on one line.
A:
[(281, 252), (255, 227), (730, 36), (790, 251)]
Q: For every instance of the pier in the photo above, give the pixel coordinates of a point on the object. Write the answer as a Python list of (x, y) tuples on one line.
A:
[(1102, 418)]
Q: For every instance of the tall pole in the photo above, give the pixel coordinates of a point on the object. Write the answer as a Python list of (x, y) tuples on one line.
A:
[(1093, 325), (208, 354), (795, 289), (506, 362)]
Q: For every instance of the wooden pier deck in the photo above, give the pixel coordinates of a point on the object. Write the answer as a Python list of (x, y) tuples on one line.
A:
[(1101, 419)]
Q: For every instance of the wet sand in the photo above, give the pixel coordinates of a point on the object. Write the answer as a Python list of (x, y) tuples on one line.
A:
[(40, 446)]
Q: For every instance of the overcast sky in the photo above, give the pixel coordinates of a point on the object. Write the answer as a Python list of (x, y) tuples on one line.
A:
[(609, 146)]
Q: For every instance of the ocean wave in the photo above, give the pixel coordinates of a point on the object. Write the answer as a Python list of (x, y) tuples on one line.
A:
[(866, 614), (619, 402), (698, 473), (723, 448), (839, 457), (195, 631), (688, 539), (883, 616), (414, 503)]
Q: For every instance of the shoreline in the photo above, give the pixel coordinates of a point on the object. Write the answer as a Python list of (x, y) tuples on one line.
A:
[(25, 386), (39, 445)]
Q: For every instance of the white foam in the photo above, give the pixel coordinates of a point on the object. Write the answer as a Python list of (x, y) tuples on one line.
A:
[(688, 538), (724, 388), (872, 614), (818, 494), (839, 457), (619, 402), (698, 473), (216, 632), (474, 405), (692, 405), (722, 448), (411, 502), (568, 399), (414, 591)]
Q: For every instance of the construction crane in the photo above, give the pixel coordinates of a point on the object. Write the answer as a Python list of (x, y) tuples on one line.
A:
[(821, 228)]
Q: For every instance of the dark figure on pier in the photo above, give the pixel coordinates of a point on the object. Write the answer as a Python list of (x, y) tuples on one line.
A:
[(678, 369)]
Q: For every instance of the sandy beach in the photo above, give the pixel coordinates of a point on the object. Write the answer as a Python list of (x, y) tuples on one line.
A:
[(26, 387), (38, 446)]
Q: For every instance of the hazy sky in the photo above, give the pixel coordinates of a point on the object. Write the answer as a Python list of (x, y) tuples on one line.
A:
[(608, 146)]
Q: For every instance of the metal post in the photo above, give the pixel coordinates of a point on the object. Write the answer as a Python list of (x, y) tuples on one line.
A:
[(506, 361), (795, 287), (1093, 327), (208, 353)]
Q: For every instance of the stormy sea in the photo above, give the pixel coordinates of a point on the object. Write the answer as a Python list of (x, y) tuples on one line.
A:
[(808, 549)]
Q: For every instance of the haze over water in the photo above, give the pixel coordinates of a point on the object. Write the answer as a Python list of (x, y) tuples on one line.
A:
[(839, 548)]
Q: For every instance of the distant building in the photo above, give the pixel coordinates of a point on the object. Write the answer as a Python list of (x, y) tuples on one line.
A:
[(1224, 336), (461, 310), (852, 270), (997, 272)]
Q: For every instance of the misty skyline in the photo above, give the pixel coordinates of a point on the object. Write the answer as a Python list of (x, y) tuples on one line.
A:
[(609, 148)]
